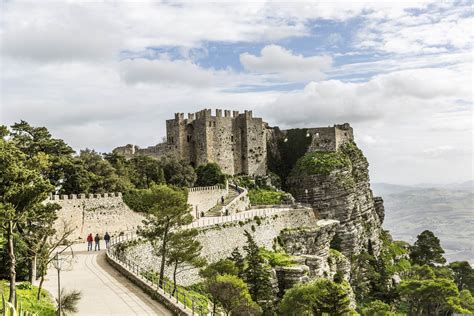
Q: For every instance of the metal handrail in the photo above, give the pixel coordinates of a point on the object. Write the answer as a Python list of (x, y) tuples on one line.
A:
[(196, 306)]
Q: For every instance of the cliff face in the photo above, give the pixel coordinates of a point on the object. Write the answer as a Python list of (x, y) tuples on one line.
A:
[(336, 184)]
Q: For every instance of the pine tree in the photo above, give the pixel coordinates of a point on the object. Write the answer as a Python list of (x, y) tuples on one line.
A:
[(238, 259), (427, 250), (257, 274)]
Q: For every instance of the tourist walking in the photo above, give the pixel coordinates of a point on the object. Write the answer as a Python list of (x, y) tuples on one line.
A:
[(97, 242), (107, 240), (222, 200), (89, 242)]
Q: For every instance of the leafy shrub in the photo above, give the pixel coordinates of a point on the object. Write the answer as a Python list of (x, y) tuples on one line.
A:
[(266, 197), (277, 258), (320, 163), (209, 174), (26, 295)]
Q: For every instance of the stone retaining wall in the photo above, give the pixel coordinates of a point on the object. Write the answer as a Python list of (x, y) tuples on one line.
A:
[(219, 240)]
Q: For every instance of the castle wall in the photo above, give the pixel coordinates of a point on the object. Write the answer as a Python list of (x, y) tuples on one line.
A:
[(95, 213), (100, 213), (203, 199), (219, 240)]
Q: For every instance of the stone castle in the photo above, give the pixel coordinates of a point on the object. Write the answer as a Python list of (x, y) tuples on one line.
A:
[(237, 142)]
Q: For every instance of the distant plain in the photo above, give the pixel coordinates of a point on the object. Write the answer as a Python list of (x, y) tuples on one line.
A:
[(446, 210)]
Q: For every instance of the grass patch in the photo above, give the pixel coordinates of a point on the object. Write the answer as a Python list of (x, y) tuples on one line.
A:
[(277, 258), (320, 163), (26, 295), (266, 197)]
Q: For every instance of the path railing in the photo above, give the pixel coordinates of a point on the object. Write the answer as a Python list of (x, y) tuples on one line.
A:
[(241, 216), (181, 298)]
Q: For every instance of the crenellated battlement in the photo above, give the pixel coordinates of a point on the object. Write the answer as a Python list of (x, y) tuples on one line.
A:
[(83, 196), (207, 114)]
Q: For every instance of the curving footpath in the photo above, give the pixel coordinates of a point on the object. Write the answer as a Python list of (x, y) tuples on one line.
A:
[(104, 290)]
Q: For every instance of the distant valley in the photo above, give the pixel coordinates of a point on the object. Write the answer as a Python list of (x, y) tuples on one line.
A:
[(447, 210)]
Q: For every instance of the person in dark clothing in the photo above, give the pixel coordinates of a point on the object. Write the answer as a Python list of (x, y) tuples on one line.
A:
[(89, 242), (222, 200), (97, 242), (107, 240)]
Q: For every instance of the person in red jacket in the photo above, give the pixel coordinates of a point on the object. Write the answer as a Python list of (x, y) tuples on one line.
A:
[(89, 242)]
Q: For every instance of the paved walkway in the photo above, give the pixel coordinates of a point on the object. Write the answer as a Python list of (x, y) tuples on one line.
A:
[(104, 290)]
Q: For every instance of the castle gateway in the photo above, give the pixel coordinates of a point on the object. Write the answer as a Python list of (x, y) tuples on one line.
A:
[(237, 142)]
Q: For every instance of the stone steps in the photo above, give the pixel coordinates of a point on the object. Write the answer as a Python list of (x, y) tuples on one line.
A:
[(215, 211)]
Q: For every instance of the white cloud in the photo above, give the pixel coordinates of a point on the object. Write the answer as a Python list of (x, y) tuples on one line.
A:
[(277, 60), (164, 71), (396, 95), (438, 29)]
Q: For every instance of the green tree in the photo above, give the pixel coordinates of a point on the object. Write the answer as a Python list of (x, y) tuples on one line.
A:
[(178, 172), (463, 275), (232, 294), (101, 174), (209, 174), (377, 308), (239, 261), (467, 300), (166, 211), (36, 230), (22, 190), (429, 296), (35, 140), (184, 249), (427, 250), (221, 267), (146, 171), (257, 273), (317, 297)]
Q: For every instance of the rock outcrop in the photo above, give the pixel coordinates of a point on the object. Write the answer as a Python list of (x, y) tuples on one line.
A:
[(336, 184)]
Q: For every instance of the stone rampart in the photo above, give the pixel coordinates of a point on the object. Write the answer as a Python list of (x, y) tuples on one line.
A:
[(95, 213), (220, 235)]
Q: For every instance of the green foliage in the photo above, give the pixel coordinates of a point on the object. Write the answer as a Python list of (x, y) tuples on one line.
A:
[(183, 248), (463, 275), (239, 262), (317, 297), (22, 191), (257, 274), (245, 182), (209, 174), (166, 211), (266, 197), (336, 242), (221, 267), (233, 295), (144, 172), (26, 295), (430, 296), (427, 250), (377, 308), (320, 163), (277, 258), (283, 158), (178, 172), (467, 300), (69, 301)]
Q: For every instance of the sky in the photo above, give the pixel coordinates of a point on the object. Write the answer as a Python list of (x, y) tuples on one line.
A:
[(105, 74)]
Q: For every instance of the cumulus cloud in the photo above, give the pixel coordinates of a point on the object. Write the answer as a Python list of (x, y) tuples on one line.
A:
[(395, 95), (277, 60)]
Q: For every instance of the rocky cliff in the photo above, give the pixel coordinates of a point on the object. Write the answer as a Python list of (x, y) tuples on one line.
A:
[(337, 186)]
